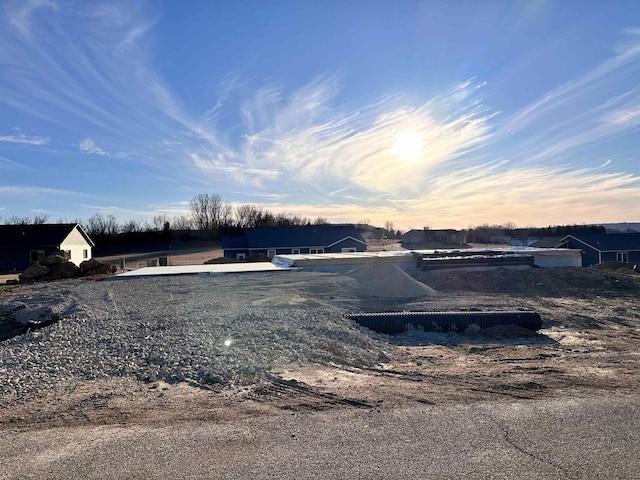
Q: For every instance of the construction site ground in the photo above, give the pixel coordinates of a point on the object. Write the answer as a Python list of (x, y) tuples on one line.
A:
[(589, 346)]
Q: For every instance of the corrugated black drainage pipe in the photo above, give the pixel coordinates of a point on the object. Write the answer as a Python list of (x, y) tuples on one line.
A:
[(397, 322)]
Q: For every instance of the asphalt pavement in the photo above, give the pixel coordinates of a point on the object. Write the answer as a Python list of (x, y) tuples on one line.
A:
[(566, 438)]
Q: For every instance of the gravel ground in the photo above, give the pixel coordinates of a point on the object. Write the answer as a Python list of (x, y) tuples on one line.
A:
[(170, 349), (204, 330)]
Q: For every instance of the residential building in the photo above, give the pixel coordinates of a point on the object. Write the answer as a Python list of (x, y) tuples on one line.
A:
[(426, 239), (305, 239), (22, 245), (604, 247)]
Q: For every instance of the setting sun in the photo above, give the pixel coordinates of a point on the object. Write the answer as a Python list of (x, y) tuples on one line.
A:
[(408, 147)]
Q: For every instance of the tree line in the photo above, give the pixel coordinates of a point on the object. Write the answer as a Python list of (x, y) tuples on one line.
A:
[(212, 213), (487, 233), (209, 215)]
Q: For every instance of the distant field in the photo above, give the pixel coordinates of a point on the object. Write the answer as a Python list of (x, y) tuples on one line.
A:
[(194, 253)]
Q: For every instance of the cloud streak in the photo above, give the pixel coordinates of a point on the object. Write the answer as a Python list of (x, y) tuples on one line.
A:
[(23, 139), (88, 145)]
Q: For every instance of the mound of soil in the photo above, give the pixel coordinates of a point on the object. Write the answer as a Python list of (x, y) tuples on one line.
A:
[(617, 267), (553, 282), (385, 280)]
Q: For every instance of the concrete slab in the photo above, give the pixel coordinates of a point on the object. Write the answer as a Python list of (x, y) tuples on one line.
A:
[(406, 259), (205, 269)]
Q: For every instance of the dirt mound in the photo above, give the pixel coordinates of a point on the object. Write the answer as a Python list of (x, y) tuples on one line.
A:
[(554, 282), (385, 280), (506, 331), (617, 267)]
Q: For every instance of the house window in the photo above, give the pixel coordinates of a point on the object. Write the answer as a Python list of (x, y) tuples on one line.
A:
[(348, 250), (622, 257), (68, 252), (36, 255), (316, 250), (241, 256), (295, 251), (271, 253), (85, 253)]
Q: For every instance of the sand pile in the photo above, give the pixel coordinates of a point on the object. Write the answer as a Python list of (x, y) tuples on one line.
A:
[(384, 279)]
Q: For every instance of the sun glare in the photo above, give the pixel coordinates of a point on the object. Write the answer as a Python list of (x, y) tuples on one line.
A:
[(408, 147)]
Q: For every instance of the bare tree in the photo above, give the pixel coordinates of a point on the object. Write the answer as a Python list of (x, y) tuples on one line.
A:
[(99, 225), (248, 215), (132, 226), (201, 211), (182, 222), (15, 220), (388, 226), (40, 218), (159, 222), (210, 212)]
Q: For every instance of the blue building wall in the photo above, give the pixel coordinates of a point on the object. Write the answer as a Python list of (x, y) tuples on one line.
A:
[(633, 257), (337, 248), (19, 259), (591, 256)]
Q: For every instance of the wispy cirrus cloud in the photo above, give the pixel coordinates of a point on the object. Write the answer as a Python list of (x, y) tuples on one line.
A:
[(24, 139), (88, 145), (301, 137), (7, 162), (26, 190), (627, 53), (88, 64), (468, 166), (148, 212)]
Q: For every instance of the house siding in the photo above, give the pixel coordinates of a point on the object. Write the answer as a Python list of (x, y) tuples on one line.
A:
[(76, 244), (591, 256), (634, 257), (286, 239), (17, 242), (346, 243), (19, 259)]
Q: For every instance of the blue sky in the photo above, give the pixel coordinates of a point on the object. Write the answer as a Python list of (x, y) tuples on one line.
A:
[(445, 114)]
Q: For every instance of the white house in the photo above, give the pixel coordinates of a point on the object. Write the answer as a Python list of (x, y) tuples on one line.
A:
[(22, 245)]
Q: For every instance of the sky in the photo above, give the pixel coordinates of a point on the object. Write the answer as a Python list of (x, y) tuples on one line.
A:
[(444, 114)]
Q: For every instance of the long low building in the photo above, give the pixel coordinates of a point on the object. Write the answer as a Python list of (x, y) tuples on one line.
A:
[(412, 261), (409, 261), (208, 269)]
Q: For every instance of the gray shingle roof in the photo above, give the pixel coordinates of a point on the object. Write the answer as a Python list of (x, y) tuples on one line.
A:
[(293, 237), (44, 235), (607, 242)]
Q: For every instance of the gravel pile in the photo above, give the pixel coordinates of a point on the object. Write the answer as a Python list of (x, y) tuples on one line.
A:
[(229, 329), (384, 280)]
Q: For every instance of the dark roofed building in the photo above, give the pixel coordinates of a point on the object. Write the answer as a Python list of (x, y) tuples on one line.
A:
[(22, 245), (547, 242), (305, 239), (604, 247), (427, 238)]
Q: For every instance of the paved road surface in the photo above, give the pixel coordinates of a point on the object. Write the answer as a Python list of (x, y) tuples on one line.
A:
[(594, 438)]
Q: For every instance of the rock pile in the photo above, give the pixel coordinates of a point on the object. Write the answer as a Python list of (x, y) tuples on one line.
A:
[(94, 267), (57, 266)]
